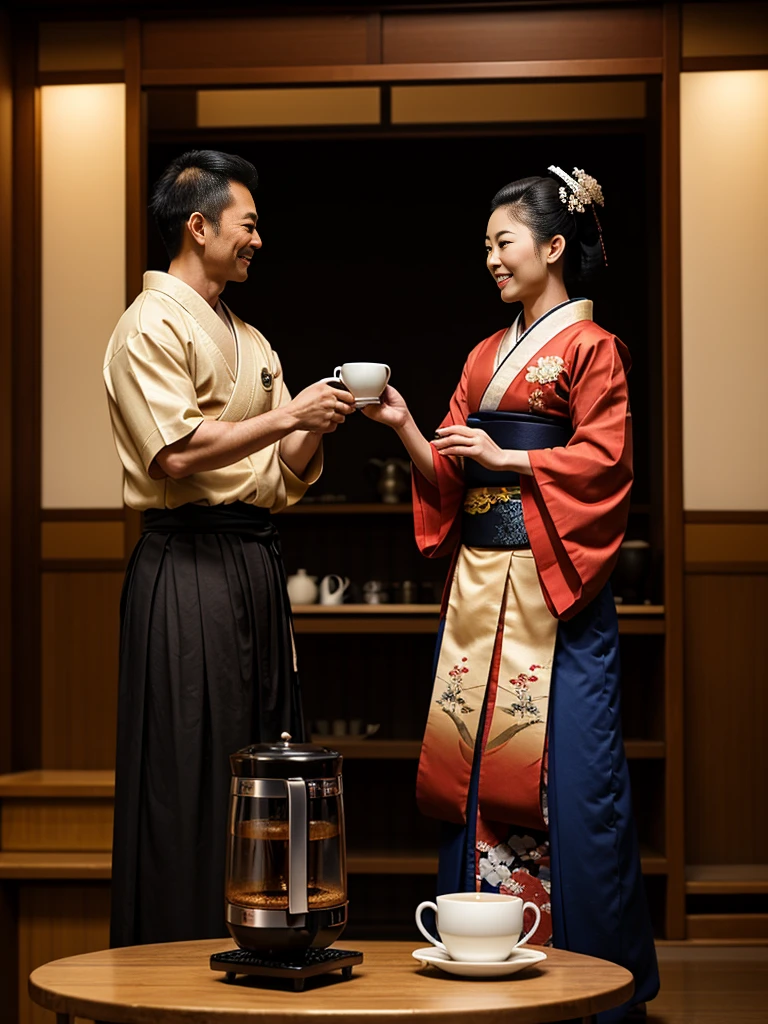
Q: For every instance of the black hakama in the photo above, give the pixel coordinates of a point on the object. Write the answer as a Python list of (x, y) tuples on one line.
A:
[(206, 667)]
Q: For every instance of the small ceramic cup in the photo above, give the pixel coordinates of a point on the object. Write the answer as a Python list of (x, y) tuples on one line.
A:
[(365, 381), (478, 927)]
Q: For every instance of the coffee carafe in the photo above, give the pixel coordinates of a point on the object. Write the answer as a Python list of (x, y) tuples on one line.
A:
[(286, 886)]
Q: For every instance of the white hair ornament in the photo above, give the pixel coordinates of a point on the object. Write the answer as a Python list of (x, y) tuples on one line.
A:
[(583, 191)]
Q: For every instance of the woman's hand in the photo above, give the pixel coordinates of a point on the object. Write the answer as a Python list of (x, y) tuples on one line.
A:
[(392, 412), (470, 443)]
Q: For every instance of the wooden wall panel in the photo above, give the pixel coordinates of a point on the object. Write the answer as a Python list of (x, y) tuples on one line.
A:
[(57, 921), (253, 42), (80, 636), (6, 419), (57, 825), (26, 401), (82, 540), (726, 542), (726, 711), (718, 29), (524, 35)]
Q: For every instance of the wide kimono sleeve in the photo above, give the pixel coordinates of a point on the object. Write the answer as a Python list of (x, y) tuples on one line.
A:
[(149, 380), (294, 486), (437, 507), (576, 502)]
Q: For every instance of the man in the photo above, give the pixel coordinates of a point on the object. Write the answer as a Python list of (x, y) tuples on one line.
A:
[(211, 443)]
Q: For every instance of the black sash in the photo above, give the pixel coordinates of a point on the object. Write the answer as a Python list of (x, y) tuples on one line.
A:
[(238, 517), (493, 508)]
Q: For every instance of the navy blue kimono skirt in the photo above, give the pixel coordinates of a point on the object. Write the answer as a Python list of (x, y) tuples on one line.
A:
[(598, 899)]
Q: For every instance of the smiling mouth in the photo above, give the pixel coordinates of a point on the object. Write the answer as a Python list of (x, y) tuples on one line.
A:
[(502, 279), (245, 258)]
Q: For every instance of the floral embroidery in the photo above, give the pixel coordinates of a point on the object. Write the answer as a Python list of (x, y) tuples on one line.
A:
[(536, 401), (519, 867), (451, 699), (524, 704), (546, 370)]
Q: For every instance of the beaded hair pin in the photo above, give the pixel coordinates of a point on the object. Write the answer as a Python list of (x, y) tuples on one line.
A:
[(583, 191)]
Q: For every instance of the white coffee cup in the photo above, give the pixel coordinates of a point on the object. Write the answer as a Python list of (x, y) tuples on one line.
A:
[(478, 927), (365, 381)]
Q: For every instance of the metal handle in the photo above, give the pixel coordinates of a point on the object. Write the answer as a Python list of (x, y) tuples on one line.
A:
[(298, 841)]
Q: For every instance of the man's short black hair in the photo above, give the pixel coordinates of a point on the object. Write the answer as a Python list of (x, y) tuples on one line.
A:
[(197, 182)]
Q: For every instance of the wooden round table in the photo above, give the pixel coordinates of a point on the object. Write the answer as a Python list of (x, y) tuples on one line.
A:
[(173, 983)]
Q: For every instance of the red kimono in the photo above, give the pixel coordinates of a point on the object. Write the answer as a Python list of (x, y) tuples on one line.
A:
[(523, 757)]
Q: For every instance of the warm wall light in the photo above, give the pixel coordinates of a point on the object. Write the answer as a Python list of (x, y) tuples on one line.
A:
[(83, 288), (273, 108), (724, 167)]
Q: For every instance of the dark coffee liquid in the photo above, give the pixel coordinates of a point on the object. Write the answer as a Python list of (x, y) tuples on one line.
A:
[(259, 865)]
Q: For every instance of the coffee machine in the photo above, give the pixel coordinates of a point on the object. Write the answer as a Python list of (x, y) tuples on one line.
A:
[(286, 886)]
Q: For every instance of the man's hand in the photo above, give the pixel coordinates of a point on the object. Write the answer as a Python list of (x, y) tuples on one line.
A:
[(392, 412), (320, 408)]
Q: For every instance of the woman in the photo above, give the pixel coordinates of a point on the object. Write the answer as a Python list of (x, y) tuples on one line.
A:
[(528, 483)]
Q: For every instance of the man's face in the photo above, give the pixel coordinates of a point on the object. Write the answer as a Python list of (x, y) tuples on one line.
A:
[(228, 252)]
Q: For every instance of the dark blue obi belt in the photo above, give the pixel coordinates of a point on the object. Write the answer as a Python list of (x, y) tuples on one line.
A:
[(493, 508)]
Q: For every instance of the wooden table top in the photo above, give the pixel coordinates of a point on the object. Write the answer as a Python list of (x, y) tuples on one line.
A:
[(172, 982)]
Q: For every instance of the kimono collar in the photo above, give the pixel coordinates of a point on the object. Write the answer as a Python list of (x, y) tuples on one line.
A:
[(536, 337), (196, 306)]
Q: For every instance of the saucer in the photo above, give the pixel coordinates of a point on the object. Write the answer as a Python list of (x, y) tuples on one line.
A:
[(360, 402), (518, 961)]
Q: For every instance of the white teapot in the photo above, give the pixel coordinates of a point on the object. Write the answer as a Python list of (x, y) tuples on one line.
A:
[(302, 589), (333, 588)]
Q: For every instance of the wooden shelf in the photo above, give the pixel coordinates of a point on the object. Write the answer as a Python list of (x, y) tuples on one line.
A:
[(642, 619), (24, 865), (653, 862), (63, 783), (392, 862), (643, 610), (393, 750), (365, 609), (342, 508), (87, 865), (726, 879), (377, 507)]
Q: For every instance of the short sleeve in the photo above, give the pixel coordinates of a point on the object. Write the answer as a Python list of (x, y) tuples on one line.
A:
[(150, 380), (295, 486)]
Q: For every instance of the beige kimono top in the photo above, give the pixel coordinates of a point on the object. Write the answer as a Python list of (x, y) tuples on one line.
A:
[(166, 372)]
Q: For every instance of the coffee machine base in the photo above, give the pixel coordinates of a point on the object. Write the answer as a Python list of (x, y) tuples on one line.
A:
[(307, 964), (276, 933)]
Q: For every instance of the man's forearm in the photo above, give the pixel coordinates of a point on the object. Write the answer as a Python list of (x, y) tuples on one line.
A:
[(215, 444), (297, 449)]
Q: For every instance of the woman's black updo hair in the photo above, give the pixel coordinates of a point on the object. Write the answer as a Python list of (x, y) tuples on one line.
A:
[(536, 203)]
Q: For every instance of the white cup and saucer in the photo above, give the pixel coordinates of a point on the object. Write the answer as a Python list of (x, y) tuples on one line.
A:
[(364, 381), (481, 933)]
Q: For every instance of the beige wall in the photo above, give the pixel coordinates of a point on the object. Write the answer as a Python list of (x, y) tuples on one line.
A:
[(724, 156), (83, 288)]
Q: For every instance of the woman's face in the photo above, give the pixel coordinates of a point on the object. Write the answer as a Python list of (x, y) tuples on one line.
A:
[(519, 266)]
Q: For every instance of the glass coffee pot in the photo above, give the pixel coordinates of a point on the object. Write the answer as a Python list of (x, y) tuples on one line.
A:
[(286, 886)]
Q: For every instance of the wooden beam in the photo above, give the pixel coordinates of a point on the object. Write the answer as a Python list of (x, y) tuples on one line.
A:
[(26, 401), (135, 202), (6, 385), (673, 469), (353, 73)]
